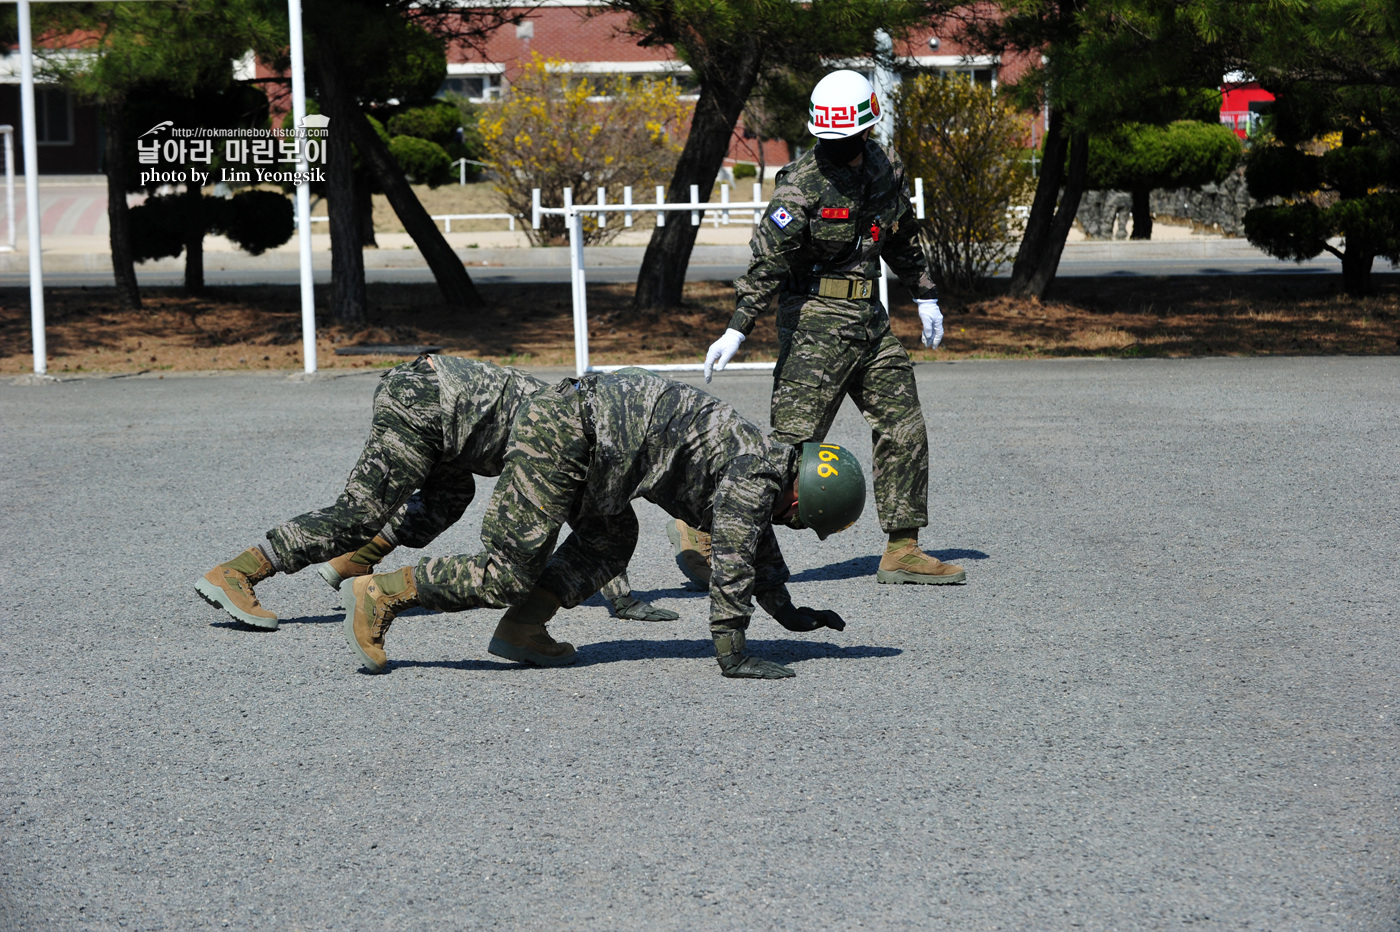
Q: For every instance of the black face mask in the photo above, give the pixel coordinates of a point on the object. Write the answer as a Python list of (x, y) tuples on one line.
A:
[(841, 151)]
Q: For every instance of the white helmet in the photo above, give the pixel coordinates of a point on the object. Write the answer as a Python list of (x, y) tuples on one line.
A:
[(843, 104)]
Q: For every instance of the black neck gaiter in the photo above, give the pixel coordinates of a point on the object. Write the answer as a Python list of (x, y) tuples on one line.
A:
[(841, 151)]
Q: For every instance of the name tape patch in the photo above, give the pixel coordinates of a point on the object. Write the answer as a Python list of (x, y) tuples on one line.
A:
[(836, 213), (781, 217)]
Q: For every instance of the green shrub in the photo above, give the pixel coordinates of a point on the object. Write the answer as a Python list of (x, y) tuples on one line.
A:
[(745, 170), (157, 228), (255, 221), (436, 122), (423, 161)]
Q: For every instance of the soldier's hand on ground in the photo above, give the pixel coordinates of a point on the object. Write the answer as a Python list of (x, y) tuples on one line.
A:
[(721, 351), (739, 667), (932, 320), (634, 609), (809, 619)]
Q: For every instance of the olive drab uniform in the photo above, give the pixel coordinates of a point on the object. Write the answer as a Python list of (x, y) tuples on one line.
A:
[(433, 429), (818, 248), (580, 453)]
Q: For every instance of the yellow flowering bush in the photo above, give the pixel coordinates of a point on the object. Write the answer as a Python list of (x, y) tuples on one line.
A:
[(965, 142), (553, 130)]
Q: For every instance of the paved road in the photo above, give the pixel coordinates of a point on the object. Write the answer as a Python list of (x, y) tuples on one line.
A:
[(1167, 695), (1069, 268)]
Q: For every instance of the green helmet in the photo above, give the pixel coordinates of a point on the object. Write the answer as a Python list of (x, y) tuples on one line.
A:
[(830, 488)]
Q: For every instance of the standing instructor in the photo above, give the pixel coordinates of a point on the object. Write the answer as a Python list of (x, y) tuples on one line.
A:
[(835, 213)]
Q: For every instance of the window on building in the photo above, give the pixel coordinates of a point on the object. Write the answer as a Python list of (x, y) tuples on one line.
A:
[(477, 88), (987, 77), (53, 111)]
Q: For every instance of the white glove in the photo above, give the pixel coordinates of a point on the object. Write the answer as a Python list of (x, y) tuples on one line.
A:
[(721, 351), (933, 322)]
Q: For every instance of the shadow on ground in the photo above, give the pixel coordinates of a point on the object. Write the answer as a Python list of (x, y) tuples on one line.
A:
[(782, 650), (861, 567)]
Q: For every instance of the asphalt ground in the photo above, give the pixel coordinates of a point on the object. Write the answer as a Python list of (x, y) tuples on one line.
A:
[(1166, 695)]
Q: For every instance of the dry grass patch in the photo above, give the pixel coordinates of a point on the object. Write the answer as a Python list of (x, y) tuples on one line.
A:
[(259, 327)]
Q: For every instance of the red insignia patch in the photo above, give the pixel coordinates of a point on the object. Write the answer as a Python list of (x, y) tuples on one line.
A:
[(836, 213), (874, 104)]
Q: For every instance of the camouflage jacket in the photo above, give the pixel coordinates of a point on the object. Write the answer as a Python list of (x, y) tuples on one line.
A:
[(699, 460), (479, 403), (832, 221)]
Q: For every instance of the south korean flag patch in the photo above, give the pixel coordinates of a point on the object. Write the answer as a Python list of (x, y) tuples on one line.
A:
[(781, 217)]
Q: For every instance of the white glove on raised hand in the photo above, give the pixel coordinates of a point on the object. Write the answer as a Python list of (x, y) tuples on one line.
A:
[(933, 322), (721, 351)]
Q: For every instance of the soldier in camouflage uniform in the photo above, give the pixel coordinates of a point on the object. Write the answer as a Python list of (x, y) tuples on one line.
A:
[(579, 454), (438, 421), (834, 214)]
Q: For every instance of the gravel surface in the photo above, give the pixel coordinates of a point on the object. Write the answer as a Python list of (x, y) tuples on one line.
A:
[(1166, 695)]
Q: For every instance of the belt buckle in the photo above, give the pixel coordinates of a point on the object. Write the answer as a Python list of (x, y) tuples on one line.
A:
[(862, 289)]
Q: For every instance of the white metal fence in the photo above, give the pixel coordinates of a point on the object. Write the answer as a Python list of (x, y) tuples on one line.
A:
[(724, 212), (448, 218)]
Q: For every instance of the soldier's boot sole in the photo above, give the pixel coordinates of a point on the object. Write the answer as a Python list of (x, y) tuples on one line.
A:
[(220, 600), (347, 599), (328, 573), (698, 572), (500, 647), (921, 579)]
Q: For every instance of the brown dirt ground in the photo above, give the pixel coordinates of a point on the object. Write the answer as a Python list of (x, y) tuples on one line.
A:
[(260, 327)]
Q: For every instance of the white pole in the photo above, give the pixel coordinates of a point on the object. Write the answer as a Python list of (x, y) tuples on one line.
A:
[(574, 220), (10, 184), (919, 198), (30, 143), (695, 199), (308, 290), (724, 197), (535, 208), (660, 199), (602, 199), (462, 177), (627, 199), (757, 199)]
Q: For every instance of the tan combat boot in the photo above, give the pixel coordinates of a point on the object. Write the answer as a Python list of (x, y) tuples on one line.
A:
[(353, 565), (904, 562), (229, 586), (521, 636), (371, 605), (692, 551)]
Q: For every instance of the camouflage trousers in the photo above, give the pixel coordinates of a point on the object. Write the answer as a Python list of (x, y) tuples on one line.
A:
[(541, 484), (400, 487), (816, 370)]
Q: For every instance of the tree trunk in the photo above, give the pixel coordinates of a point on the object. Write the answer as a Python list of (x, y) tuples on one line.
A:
[(364, 197), (1356, 272), (1142, 213), (452, 278), (194, 238), (118, 215), (1047, 193), (661, 281), (1039, 259), (349, 302)]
